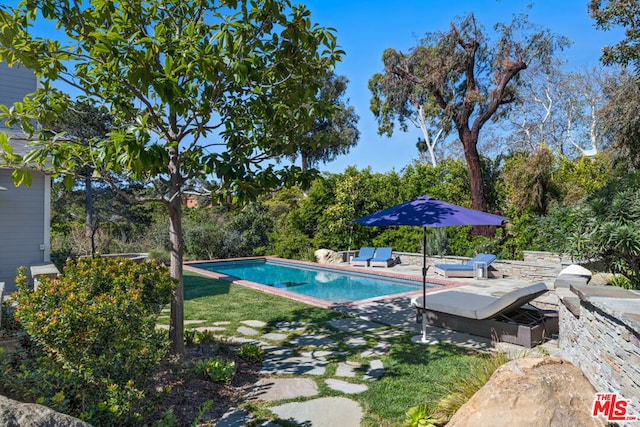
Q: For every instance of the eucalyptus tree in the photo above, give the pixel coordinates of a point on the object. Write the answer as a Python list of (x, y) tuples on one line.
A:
[(398, 100), (465, 79), (561, 110), (197, 88)]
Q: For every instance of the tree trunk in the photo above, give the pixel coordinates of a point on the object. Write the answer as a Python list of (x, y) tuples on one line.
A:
[(176, 325), (474, 168), (88, 205)]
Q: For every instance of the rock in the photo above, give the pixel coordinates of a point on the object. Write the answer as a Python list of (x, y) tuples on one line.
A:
[(540, 391), (327, 256), (17, 414)]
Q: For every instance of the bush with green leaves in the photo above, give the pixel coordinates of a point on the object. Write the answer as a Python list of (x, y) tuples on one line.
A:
[(251, 352), (607, 228), (96, 326), (216, 369)]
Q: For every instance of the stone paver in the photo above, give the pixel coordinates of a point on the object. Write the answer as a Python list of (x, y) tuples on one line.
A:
[(389, 333), (355, 341), (380, 349), (355, 324), (234, 417), (244, 330), (314, 340), (270, 389), (221, 323), (193, 322), (274, 336), (254, 323), (290, 326), (345, 387), (307, 363), (323, 412), (375, 371), (347, 369), (273, 351)]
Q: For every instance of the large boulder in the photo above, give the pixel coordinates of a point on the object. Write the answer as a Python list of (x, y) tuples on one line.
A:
[(327, 256), (528, 392), (17, 414)]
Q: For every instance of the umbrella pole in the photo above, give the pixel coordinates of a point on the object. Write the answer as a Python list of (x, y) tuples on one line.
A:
[(424, 284)]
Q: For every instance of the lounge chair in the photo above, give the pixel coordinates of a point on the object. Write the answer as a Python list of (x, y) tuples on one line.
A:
[(467, 269), (507, 318), (382, 258), (364, 255)]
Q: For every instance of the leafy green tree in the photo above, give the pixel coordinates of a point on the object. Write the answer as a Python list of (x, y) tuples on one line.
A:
[(252, 226), (330, 136), (87, 124), (529, 179), (466, 79), (583, 176), (195, 88), (357, 193), (613, 13), (448, 181)]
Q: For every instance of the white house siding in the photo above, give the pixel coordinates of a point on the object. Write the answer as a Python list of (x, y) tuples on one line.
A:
[(24, 211), (15, 84), (22, 225)]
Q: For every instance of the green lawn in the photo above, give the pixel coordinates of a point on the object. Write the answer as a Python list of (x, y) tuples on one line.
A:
[(414, 374)]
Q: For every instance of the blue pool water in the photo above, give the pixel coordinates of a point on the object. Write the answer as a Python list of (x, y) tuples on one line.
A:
[(326, 284)]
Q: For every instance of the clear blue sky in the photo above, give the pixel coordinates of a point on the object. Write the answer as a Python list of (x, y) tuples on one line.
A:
[(366, 28)]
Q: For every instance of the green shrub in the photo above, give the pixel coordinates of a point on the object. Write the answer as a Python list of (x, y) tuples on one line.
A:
[(216, 369), (251, 352), (96, 325), (423, 416)]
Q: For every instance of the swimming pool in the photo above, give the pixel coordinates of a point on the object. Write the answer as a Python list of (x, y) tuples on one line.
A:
[(336, 286)]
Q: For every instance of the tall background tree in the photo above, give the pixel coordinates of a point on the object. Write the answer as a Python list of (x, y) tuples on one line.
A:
[(195, 88), (610, 14), (466, 78), (622, 95), (330, 136), (87, 124)]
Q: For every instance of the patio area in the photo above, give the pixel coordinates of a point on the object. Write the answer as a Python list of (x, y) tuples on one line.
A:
[(400, 313)]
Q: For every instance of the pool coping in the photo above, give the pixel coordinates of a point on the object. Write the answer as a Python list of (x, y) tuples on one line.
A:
[(444, 284)]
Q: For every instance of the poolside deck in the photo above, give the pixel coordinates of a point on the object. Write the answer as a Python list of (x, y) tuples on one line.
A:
[(399, 312)]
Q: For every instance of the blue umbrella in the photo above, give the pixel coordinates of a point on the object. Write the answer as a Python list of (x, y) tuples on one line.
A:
[(425, 211)]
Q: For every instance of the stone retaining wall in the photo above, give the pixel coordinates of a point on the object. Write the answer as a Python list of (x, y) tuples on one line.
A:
[(599, 333), (536, 266)]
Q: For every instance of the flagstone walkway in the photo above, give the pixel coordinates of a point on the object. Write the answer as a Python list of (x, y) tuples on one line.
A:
[(298, 354), (291, 373)]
